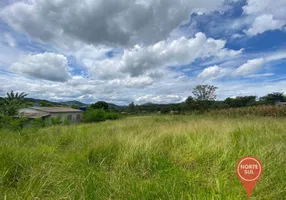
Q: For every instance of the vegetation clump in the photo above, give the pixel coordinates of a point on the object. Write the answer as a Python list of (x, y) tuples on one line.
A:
[(99, 115)]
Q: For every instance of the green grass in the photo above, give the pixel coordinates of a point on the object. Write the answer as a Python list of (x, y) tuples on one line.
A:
[(159, 157)]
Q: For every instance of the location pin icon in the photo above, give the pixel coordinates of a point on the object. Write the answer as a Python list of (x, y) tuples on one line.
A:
[(249, 170)]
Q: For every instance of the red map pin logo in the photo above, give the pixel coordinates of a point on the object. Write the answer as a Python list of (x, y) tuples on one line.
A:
[(249, 170)]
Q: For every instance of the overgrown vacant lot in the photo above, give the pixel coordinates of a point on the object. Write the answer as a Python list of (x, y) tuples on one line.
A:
[(159, 157)]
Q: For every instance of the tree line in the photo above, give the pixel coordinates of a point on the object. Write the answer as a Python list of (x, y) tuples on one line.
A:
[(203, 98)]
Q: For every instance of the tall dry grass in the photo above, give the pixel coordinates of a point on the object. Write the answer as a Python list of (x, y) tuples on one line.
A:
[(270, 111), (163, 157)]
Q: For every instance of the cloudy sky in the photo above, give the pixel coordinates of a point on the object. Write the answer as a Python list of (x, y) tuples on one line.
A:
[(141, 50)]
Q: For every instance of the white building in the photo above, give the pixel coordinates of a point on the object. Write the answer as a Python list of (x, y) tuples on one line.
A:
[(280, 103), (73, 115)]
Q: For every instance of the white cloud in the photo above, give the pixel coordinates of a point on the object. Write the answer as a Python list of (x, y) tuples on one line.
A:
[(173, 87), (10, 40), (245, 88), (111, 22), (210, 72), (277, 7), (169, 90), (264, 23), (135, 82), (141, 59), (159, 99), (8, 50), (147, 29), (104, 69), (89, 53), (236, 36), (260, 75), (48, 66), (278, 55), (267, 14), (251, 66)]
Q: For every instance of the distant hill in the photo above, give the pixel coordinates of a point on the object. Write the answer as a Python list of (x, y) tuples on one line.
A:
[(41, 102), (116, 107), (71, 103)]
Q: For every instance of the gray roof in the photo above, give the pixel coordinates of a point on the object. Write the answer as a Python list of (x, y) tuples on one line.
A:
[(56, 109), (35, 115)]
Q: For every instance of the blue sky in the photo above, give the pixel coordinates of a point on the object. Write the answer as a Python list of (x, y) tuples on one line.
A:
[(143, 50)]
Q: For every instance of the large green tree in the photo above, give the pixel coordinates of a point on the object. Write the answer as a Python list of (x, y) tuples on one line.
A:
[(12, 103), (205, 92), (100, 105), (131, 107), (273, 97), (241, 101)]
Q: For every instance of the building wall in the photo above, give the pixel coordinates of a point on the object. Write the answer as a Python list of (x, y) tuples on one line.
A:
[(72, 117)]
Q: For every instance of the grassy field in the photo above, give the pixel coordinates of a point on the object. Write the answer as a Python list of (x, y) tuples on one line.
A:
[(159, 157)]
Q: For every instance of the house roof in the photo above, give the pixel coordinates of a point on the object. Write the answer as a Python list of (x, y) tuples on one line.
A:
[(56, 109), (35, 115)]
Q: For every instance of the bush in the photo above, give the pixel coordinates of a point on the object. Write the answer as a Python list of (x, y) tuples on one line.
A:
[(66, 122), (99, 115), (94, 115), (12, 123), (41, 123), (56, 120), (165, 110), (112, 115), (38, 123)]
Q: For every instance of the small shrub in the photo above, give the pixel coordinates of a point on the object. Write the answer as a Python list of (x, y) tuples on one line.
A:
[(94, 115), (112, 116), (99, 115), (66, 122), (165, 110), (56, 120), (12, 123), (38, 123)]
